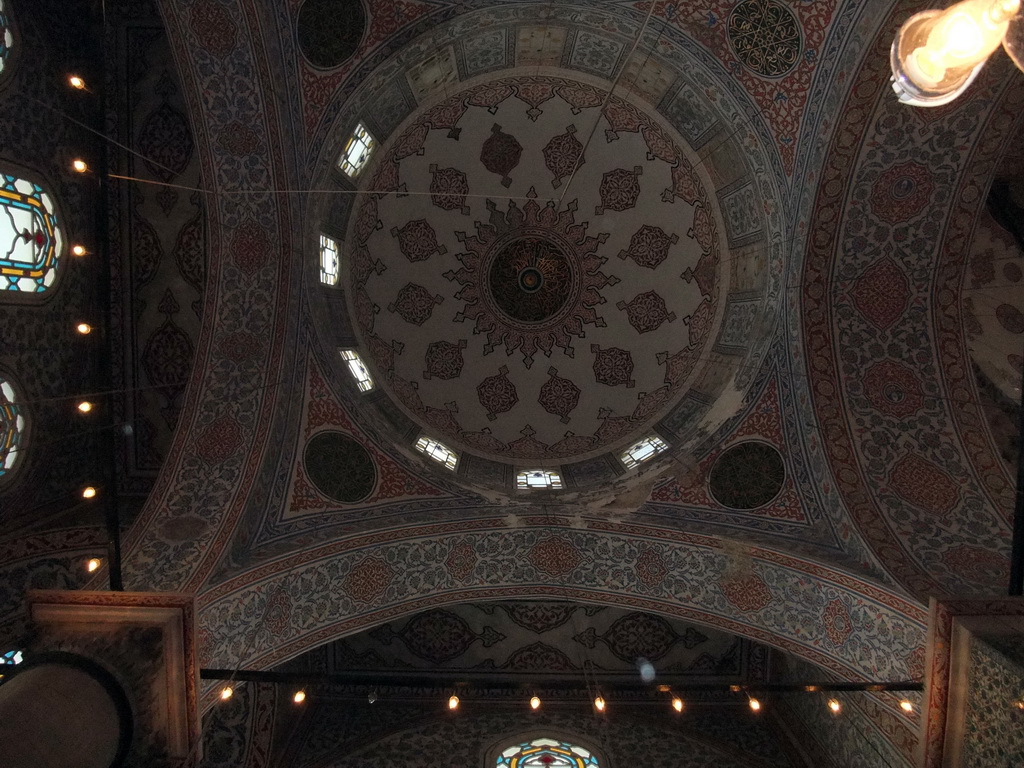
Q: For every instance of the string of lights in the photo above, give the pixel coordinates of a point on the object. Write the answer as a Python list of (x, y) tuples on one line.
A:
[(563, 692)]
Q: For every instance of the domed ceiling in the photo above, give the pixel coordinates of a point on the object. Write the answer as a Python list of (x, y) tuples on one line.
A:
[(540, 272)]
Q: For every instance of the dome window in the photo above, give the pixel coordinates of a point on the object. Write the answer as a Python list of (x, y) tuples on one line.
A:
[(645, 450), (329, 260), (357, 368), (537, 479), (438, 452), (357, 152)]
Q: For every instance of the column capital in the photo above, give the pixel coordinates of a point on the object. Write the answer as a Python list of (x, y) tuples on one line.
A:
[(955, 628), (147, 641)]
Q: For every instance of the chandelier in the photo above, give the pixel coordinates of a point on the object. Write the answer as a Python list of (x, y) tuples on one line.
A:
[(937, 54)]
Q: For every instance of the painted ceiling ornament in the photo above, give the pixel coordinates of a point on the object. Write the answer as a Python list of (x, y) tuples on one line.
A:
[(902, 192), (500, 154), (562, 155), (444, 359), (531, 278), (619, 190), (612, 366), (559, 396), (765, 36), (418, 240)]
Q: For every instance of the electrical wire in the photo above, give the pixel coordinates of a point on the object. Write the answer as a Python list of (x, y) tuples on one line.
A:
[(604, 105)]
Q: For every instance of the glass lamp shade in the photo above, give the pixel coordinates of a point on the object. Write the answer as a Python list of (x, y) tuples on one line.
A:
[(1013, 41), (937, 54)]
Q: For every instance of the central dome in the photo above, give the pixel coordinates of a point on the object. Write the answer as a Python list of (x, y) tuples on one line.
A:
[(524, 294)]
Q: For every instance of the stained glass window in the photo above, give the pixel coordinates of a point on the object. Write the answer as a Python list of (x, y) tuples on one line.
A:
[(12, 428), (646, 449), (6, 35), (10, 658), (328, 261), (357, 151), (546, 753), (358, 369), (538, 478), (437, 452), (31, 241)]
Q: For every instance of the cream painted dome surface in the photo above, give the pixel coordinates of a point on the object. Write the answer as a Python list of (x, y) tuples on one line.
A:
[(525, 294)]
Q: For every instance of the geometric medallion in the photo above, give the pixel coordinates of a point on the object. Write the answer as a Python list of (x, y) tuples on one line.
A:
[(765, 36)]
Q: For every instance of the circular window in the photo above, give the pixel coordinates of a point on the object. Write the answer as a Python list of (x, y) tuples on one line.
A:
[(530, 279), (765, 36), (330, 30), (31, 237), (747, 476), (339, 467)]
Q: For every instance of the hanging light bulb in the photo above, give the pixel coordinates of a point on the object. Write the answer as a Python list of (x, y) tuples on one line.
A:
[(76, 82), (906, 706), (453, 702), (78, 250), (677, 704), (85, 406), (755, 705), (226, 692), (835, 706), (535, 702), (936, 54), (299, 697), (79, 166), (84, 328), (88, 492), (93, 564)]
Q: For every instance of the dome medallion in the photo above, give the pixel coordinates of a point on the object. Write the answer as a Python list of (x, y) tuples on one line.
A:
[(524, 298), (531, 278)]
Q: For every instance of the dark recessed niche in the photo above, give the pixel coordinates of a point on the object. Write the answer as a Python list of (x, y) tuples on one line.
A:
[(330, 30), (339, 467), (747, 476)]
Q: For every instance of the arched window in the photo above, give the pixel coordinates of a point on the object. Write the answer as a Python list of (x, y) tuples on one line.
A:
[(545, 752), (31, 241), (6, 36), (328, 260), (12, 429), (534, 479)]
